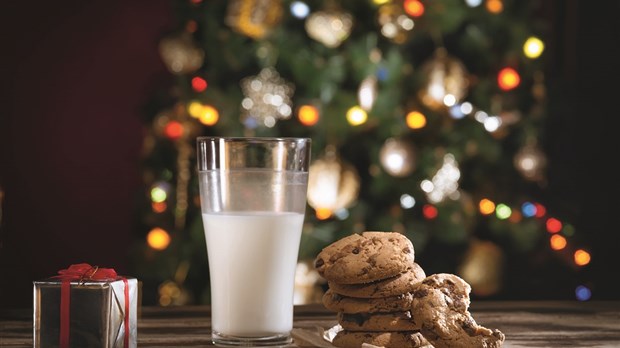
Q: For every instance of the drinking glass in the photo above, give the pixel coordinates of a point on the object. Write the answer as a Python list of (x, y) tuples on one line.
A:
[(253, 200)]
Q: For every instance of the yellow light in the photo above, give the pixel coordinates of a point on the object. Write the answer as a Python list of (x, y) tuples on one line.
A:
[(415, 120), (508, 78), (209, 115), (557, 242), (323, 213), (381, 2), (194, 109), (533, 47), (308, 115), (486, 206), (356, 116), (582, 257), (495, 6), (158, 194), (158, 239)]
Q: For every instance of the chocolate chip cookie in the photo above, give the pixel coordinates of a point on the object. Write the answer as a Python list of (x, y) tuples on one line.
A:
[(393, 286), (441, 305), (345, 304), (396, 321), (348, 339), (365, 257)]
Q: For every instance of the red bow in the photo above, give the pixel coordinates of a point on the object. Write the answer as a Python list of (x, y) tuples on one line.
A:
[(85, 272)]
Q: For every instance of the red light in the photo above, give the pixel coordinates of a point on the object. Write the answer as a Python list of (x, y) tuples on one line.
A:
[(174, 130), (199, 84), (553, 225), (508, 78), (414, 8), (540, 210), (429, 211)]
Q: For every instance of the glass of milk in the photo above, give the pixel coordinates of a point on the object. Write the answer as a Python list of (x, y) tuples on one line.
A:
[(253, 200)]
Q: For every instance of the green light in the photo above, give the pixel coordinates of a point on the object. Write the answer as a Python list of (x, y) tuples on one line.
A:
[(568, 230), (158, 195), (502, 211)]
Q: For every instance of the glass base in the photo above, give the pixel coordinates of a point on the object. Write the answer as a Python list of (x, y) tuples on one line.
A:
[(222, 340)]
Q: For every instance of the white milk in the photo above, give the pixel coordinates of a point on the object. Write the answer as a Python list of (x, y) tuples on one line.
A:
[(252, 260)]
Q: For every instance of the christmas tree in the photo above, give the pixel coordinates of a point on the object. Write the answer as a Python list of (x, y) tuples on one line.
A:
[(427, 118)]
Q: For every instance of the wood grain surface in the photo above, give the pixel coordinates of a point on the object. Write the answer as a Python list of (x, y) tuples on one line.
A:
[(526, 324)]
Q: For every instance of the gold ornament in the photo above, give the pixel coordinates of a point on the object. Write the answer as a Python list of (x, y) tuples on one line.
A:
[(268, 98), (181, 53), (330, 27), (395, 24), (332, 183), (254, 18), (482, 268), (397, 157), (446, 81)]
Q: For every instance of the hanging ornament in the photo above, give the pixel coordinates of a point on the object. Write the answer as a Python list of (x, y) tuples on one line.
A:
[(445, 81), (397, 157), (267, 98), (482, 268), (394, 22), (254, 18), (181, 53), (445, 183), (330, 27), (333, 184), (367, 93), (531, 162)]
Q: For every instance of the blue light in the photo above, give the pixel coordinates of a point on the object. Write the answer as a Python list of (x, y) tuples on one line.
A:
[(583, 293), (299, 9), (382, 74), (528, 209), (456, 112)]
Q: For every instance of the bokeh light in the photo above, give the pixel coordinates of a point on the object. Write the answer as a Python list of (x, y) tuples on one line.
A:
[(299, 9), (415, 120), (533, 47), (414, 8), (174, 130), (557, 242), (495, 6), (308, 115), (486, 206), (199, 84), (158, 238), (553, 225), (508, 78), (583, 293), (407, 201), (429, 211), (581, 257), (502, 211), (528, 209), (209, 115), (356, 116), (323, 213)]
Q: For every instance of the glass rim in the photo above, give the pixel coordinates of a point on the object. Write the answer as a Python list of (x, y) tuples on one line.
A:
[(253, 139)]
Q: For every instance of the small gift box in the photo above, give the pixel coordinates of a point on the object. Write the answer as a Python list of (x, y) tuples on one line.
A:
[(85, 306)]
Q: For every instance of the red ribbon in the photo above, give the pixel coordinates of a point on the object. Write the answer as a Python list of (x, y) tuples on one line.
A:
[(84, 272)]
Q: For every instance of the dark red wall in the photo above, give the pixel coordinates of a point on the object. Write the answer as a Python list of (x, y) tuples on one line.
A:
[(74, 77)]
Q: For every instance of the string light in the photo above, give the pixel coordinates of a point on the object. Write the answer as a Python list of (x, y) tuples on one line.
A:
[(486, 206), (502, 211), (299, 9), (581, 257), (415, 120), (583, 293), (508, 78), (356, 116), (158, 194), (540, 210), (158, 238), (557, 242), (174, 130), (533, 47), (159, 207), (495, 6), (429, 211), (209, 115), (199, 84), (553, 225), (308, 115), (414, 8)]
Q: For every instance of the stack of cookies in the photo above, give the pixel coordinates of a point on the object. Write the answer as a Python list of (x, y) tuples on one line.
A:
[(370, 279), (383, 297)]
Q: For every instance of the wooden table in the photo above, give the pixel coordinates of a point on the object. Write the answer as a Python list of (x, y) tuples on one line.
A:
[(526, 324)]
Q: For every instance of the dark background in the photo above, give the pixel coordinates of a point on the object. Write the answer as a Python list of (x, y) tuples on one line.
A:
[(75, 78)]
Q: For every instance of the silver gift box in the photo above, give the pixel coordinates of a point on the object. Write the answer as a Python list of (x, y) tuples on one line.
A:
[(97, 313)]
